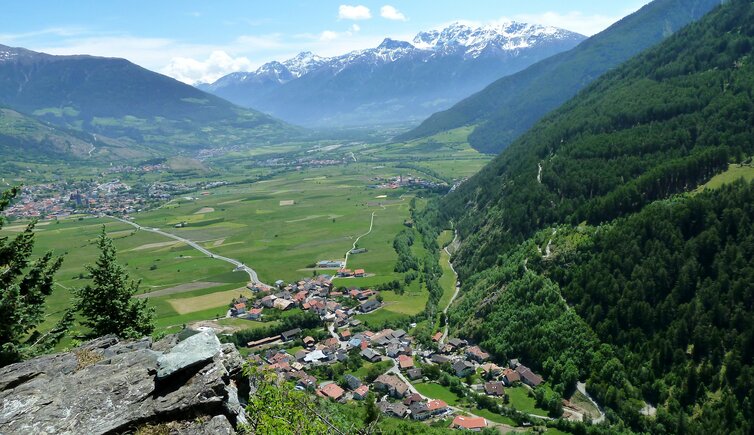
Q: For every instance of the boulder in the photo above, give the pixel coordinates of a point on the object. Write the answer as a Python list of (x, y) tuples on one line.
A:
[(109, 386), (197, 349)]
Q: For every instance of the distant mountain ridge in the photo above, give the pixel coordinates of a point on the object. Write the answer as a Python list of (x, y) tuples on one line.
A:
[(395, 81), (508, 107), (116, 98)]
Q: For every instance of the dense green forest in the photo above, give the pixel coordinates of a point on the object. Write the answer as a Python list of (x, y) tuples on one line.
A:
[(508, 107), (660, 308), (661, 124), (586, 254)]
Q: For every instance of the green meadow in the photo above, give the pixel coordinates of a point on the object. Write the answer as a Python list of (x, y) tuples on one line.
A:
[(279, 227)]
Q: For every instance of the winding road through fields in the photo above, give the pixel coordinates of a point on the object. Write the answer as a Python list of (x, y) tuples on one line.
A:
[(239, 265)]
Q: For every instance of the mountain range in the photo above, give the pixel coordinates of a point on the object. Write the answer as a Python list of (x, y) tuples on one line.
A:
[(396, 81), (113, 98), (508, 107)]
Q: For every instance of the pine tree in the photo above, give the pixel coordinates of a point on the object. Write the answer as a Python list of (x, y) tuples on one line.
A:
[(24, 286), (107, 304)]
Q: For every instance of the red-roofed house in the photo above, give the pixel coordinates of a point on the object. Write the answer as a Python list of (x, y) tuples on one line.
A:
[(361, 392), (255, 313), (332, 391), (437, 337), (437, 406), (299, 297), (405, 362), (469, 423), (359, 272)]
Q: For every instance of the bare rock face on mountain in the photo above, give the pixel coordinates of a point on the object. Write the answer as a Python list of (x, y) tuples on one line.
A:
[(109, 386)]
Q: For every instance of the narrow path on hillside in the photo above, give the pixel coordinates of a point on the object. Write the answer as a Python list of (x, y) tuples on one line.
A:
[(239, 265), (371, 225), (455, 292), (581, 386)]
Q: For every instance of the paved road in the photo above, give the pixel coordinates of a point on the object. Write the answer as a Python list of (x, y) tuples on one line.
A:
[(239, 266)]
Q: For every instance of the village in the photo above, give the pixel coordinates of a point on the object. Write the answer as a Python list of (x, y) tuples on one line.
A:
[(62, 199), (344, 360)]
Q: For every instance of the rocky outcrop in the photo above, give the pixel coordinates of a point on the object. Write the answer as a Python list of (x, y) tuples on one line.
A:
[(110, 386)]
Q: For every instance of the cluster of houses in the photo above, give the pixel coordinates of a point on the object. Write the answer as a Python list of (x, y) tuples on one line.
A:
[(312, 294), (348, 273), (397, 397)]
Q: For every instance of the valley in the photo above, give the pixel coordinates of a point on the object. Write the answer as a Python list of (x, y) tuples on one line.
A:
[(311, 202), (494, 225)]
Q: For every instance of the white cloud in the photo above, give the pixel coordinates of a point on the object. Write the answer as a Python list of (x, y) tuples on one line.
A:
[(391, 13), (355, 28), (328, 35), (218, 64), (359, 12)]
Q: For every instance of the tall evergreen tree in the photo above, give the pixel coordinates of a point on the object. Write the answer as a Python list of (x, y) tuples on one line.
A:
[(24, 286), (107, 304)]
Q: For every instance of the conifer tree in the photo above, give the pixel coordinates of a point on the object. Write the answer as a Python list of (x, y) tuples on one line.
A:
[(24, 286), (107, 304)]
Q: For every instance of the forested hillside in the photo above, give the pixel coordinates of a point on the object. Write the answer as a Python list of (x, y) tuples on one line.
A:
[(586, 253), (511, 105), (660, 309), (660, 124)]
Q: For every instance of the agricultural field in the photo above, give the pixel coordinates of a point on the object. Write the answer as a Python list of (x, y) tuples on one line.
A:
[(446, 156), (279, 227)]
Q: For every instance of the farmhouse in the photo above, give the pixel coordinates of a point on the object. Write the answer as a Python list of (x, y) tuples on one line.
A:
[(510, 376), (477, 354), (395, 409), (463, 368), (394, 386), (361, 392), (254, 314), (494, 388), (291, 334), (330, 264), (405, 362), (371, 355), (332, 391), (282, 304), (528, 377), (369, 306), (475, 424), (414, 374)]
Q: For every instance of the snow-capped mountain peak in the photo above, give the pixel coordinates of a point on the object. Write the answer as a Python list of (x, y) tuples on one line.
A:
[(303, 63), (392, 44), (396, 78), (510, 35)]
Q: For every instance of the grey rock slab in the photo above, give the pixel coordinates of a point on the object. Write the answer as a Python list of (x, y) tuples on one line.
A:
[(197, 349), (54, 394)]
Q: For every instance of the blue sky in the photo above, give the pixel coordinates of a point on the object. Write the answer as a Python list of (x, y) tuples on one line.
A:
[(194, 40)]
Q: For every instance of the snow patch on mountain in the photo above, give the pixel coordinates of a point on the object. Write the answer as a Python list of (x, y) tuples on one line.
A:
[(457, 39)]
